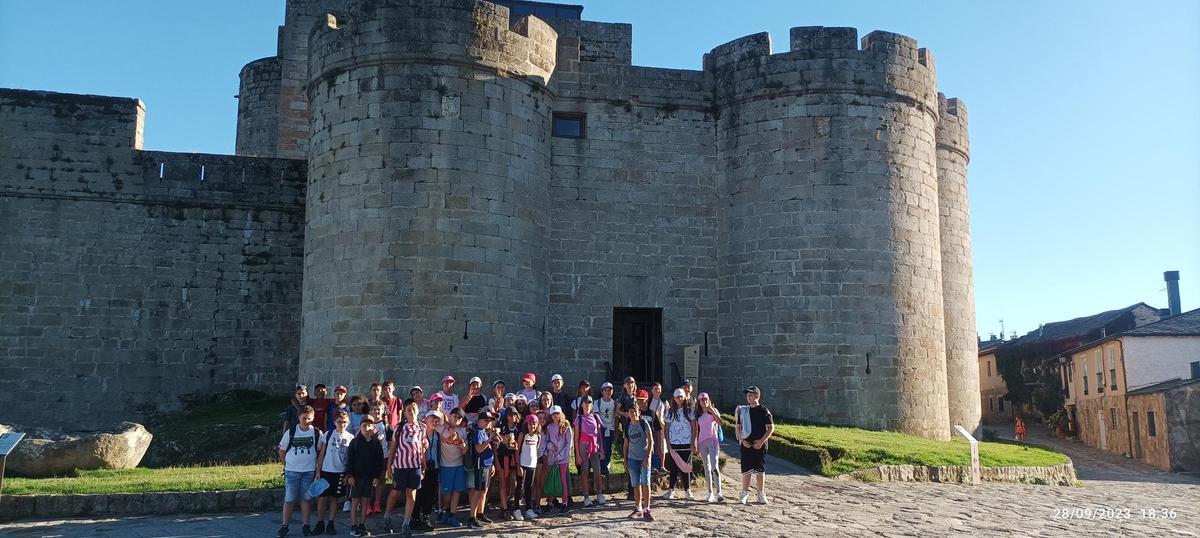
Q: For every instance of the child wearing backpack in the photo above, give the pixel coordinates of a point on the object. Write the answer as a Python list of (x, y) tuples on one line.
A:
[(365, 468), (709, 443), (406, 457), (588, 443), (298, 452), (559, 438), (479, 460), (331, 465), (530, 446), (638, 449)]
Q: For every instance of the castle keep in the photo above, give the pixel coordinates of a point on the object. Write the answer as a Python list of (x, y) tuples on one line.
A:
[(433, 186)]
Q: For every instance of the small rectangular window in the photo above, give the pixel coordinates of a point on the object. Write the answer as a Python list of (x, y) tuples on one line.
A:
[(1112, 413), (1000, 403), (1112, 378), (569, 125), (1150, 426)]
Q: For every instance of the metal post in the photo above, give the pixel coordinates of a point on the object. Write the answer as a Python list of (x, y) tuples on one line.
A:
[(975, 473)]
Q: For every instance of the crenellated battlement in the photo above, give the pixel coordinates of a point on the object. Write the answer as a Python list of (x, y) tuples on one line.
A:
[(825, 60), (377, 32), (952, 126)]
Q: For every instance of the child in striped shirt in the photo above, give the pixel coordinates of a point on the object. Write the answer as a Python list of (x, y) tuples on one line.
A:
[(406, 453)]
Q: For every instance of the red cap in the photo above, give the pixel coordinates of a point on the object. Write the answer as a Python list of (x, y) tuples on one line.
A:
[(643, 394), (448, 379), (529, 376), (341, 388)]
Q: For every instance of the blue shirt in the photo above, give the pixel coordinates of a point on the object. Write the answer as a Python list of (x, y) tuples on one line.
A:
[(486, 456)]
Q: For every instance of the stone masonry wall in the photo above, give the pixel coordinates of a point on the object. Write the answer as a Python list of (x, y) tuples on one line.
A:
[(1182, 420), (125, 277), (258, 108)]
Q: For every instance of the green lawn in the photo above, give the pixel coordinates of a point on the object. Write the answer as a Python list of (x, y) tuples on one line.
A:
[(833, 450), (232, 428), (151, 480)]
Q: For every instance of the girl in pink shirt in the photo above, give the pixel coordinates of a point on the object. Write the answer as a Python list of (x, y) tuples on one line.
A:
[(708, 442)]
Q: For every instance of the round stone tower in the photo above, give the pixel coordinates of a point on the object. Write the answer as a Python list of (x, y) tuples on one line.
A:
[(427, 199), (830, 274), (958, 288), (258, 108)]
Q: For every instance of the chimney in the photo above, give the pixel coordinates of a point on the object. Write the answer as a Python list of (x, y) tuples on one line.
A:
[(1172, 278)]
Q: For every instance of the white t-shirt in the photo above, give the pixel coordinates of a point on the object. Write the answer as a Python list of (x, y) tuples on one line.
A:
[(608, 414), (449, 402), (335, 445), (679, 426), (303, 455), (529, 450), (531, 395)]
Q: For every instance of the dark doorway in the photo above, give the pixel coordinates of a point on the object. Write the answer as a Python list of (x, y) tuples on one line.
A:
[(637, 344)]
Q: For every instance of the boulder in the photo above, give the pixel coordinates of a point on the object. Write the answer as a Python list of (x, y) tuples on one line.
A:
[(42, 454)]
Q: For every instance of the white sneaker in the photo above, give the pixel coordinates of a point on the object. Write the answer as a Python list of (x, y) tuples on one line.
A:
[(600, 500), (587, 502), (762, 498), (670, 494), (712, 498), (743, 496), (689, 495), (346, 506), (517, 515), (530, 514)]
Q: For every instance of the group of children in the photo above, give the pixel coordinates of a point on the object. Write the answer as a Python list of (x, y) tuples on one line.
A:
[(436, 449)]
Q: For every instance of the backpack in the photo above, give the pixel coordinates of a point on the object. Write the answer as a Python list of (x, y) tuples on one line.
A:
[(292, 433), (471, 457)]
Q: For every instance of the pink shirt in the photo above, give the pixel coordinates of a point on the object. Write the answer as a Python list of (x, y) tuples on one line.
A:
[(708, 428)]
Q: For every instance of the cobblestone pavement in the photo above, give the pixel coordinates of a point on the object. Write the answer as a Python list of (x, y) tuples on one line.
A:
[(800, 503)]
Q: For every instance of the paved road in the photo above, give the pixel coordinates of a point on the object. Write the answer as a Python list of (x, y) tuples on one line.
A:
[(806, 504)]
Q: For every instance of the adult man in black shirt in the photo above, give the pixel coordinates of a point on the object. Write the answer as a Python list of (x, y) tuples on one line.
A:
[(755, 424)]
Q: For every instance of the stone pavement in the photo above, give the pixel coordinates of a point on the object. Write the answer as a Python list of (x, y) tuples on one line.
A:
[(800, 503)]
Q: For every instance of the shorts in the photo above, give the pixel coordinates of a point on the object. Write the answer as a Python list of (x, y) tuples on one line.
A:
[(295, 486), (337, 484), (452, 479), (362, 488), (753, 459), (403, 479), (478, 479), (639, 472), (590, 464)]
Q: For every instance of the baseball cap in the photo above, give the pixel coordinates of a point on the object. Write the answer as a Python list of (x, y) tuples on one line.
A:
[(416, 388), (606, 385), (629, 379), (510, 395), (554, 409), (475, 380), (531, 418), (448, 379), (687, 381), (702, 396), (679, 393), (753, 389), (457, 411), (556, 377), (584, 383), (643, 395), (486, 414), (510, 409), (529, 376), (435, 414), (521, 398), (586, 398), (301, 387), (341, 388), (498, 382)]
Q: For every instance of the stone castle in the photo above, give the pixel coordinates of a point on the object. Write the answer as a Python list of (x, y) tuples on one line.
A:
[(433, 186)]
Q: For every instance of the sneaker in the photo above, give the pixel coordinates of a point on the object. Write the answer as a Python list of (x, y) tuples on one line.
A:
[(441, 517), (484, 519), (720, 498), (637, 514), (647, 516), (670, 494), (600, 500), (330, 530), (454, 522), (387, 525), (319, 529), (762, 498), (587, 502), (743, 496), (354, 530), (530, 514), (406, 531), (346, 506), (474, 523), (509, 516), (712, 498), (688, 495), (362, 529), (306, 530), (283, 531), (516, 516), (564, 510)]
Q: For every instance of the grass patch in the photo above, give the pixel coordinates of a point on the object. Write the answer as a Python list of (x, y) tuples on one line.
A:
[(835, 450), (231, 428), (106, 481)]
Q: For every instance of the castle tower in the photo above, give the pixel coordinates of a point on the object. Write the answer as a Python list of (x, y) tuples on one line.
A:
[(427, 205), (829, 250), (958, 288)]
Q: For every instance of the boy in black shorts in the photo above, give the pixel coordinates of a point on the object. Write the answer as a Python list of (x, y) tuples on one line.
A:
[(754, 427), (364, 471)]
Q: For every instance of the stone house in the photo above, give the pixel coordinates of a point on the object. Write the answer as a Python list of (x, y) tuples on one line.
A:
[(992, 389), (1134, 393)]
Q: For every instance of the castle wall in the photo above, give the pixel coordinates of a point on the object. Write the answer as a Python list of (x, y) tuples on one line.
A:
[(258, 108), (829, 251), (427, 204), (958, 289), (634, 207), (120, 289)]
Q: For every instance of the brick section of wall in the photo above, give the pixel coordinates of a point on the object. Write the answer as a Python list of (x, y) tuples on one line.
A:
[(428, 203), (829, 250), (119, 285), (958, 287)]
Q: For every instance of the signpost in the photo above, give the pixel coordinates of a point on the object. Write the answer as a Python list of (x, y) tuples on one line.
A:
[(975, 474), (8, 442)]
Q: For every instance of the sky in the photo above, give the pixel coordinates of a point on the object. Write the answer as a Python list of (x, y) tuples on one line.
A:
[(1084, 115)]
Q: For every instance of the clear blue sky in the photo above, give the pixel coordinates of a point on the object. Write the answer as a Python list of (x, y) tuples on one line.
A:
[(1085, 115)]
